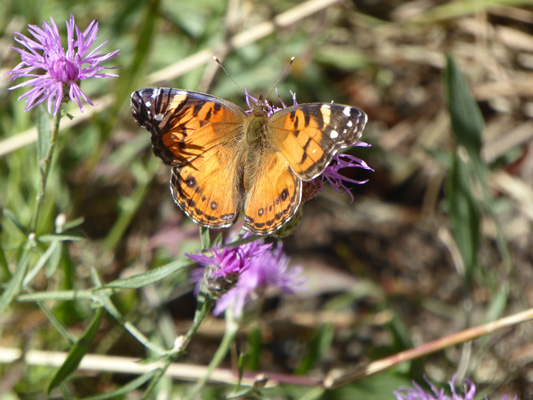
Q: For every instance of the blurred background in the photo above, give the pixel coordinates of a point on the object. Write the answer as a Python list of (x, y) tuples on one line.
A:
[(386, 272)]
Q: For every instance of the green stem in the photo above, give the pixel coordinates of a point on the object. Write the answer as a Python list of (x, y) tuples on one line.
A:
[(44, 167), (232, 327)]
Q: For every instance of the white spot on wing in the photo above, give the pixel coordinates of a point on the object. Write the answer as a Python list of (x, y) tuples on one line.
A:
[(346, 111), (158, 117), (349, 124), (325, 110), (155, 93), (148, 104), (334, 134)]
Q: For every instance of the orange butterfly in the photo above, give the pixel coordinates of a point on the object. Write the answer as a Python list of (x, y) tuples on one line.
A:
[(223, 158)]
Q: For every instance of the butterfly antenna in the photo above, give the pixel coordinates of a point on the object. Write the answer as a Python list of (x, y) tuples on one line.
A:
[(281, 76), (227, 73)]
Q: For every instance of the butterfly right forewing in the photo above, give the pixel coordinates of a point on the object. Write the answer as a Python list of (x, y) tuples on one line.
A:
[(310, 134)]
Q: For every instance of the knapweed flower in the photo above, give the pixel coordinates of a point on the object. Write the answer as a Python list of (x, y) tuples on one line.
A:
[(418, 393), (268, 270), (56, 74), (260, 268), (332, 176), (226, 264)]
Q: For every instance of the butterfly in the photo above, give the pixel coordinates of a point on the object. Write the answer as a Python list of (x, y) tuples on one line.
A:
[(224, 159)]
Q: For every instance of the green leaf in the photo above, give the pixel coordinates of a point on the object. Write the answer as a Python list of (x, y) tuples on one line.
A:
[(147, 278), (318, 346), (55, 258), (40, 263), (74, 223), (465, 213), (205, 238), (127, 388), (15, 284), (44, 135), (63, 237), (467, 121), (60, 295), (11, 216), (255, 343), (4, 266), (77, 352)]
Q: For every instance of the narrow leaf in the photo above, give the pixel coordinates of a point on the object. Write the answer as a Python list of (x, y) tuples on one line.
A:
[(4, 266), (465, 213), (127, 388), (9, 214), (44, 135), (40, 263), (147, 278), (77, 352), (63, 237), (467, 121), (14, 285)]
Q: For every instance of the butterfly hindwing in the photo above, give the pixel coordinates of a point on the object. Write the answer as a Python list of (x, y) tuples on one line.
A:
[(273, 196), (309, 135), (207, 188)]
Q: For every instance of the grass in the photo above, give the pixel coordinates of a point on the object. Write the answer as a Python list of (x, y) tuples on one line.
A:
[(436, 244)]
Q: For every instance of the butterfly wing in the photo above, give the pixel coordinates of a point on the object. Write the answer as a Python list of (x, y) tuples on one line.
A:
[(199, 136), (309, 135), (273, 195)]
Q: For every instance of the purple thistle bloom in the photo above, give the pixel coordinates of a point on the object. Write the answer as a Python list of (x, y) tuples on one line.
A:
[(418, 393), (63, 71), (226, 264), (341, 161), (268, 270)]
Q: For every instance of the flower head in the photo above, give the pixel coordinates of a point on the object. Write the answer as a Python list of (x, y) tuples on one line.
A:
[(418, 393), (56, 74), (268, 270), (226, 264), (241, 274), (332, 176)]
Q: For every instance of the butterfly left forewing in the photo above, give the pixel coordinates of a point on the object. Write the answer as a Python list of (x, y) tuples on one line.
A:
[(309, 135), (184, 124), (199, 135)]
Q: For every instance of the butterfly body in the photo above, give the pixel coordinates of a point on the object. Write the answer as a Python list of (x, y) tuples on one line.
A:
[(224, 159)]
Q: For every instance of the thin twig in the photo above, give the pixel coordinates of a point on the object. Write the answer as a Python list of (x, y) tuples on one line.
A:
[(337, 379), (130, 365)]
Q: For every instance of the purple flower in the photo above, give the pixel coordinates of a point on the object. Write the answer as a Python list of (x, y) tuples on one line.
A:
[(341, 161), (268, 270), (62, 71), (418, 393), (226, 264)]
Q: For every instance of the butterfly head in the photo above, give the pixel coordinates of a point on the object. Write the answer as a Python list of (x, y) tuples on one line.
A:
[(261, 106)]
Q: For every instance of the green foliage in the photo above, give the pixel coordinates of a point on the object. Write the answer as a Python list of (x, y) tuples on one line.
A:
[(87, 242), (77, 352)]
